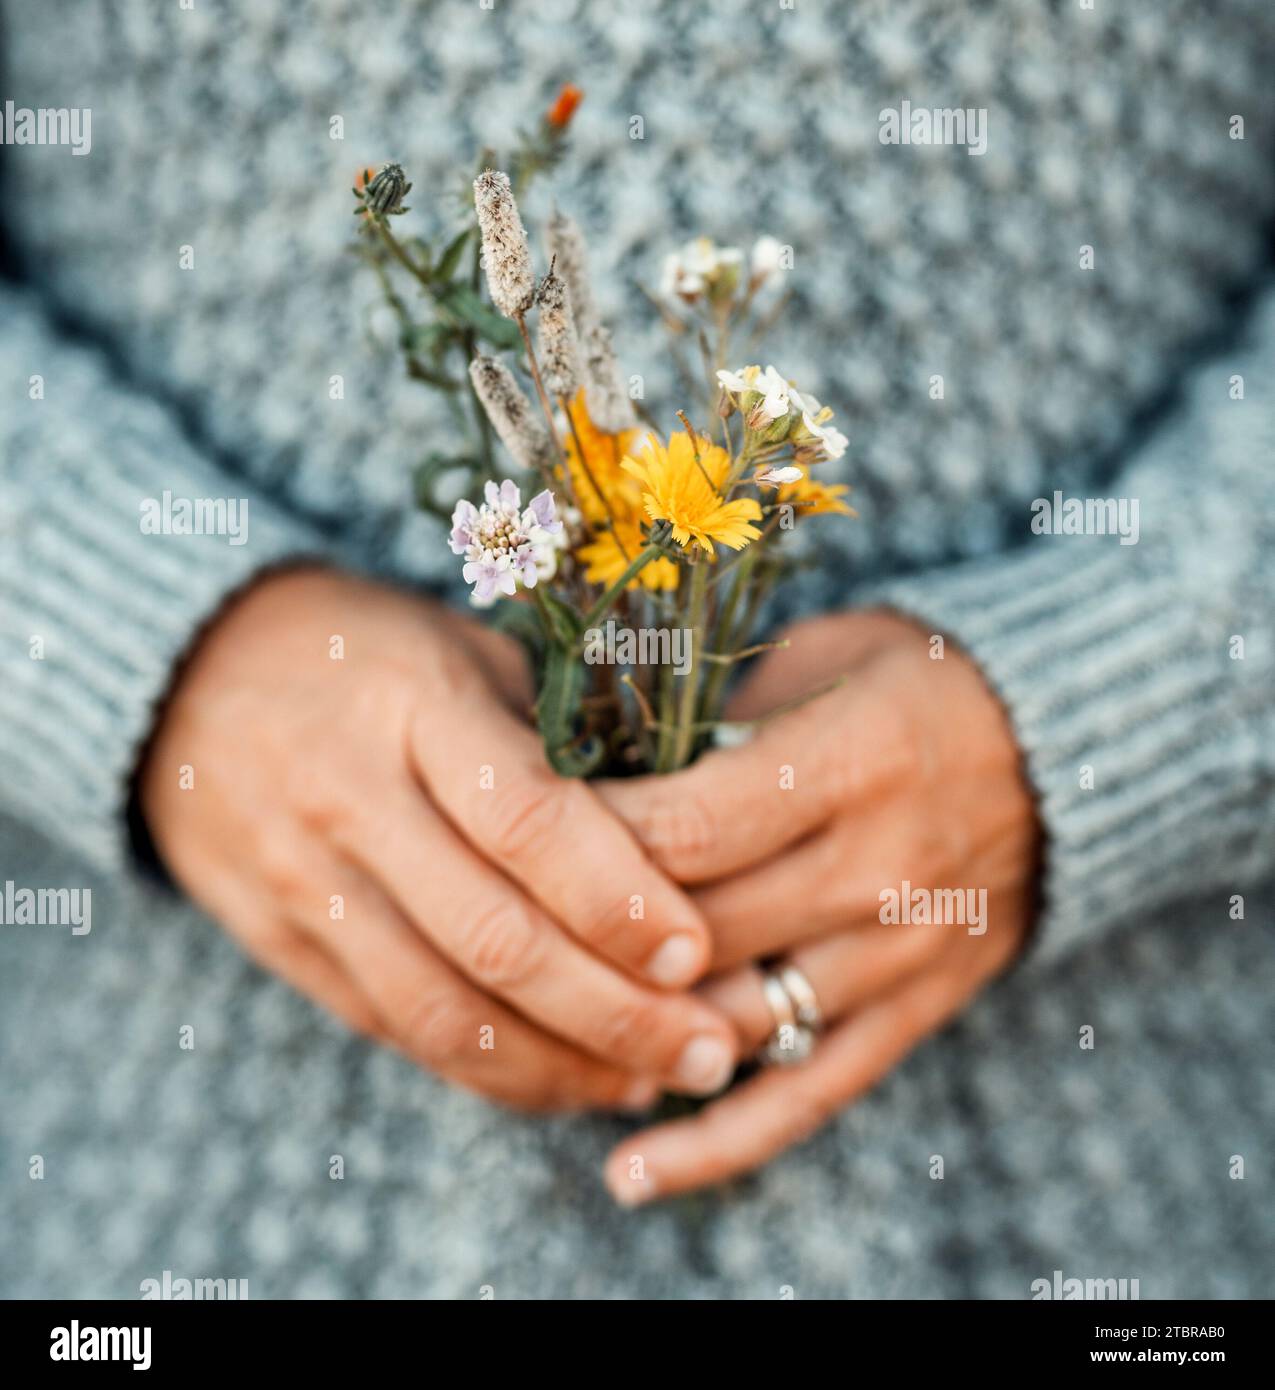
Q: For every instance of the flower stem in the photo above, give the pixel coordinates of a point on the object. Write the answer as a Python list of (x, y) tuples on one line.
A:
[(684, 738), (397, 250), (726, 635), (608, 599), (699, 462)]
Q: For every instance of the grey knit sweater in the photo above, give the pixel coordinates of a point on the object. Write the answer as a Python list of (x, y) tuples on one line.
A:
[(1089, 290)]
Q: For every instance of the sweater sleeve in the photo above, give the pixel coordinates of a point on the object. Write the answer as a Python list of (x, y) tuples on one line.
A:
[(1140, 678), (97, 604)]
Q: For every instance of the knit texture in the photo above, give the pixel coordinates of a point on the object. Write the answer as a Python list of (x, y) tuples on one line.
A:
[(1150, 743)]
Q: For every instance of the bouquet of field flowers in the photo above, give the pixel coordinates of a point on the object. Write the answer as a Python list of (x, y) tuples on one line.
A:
[(632, 552)]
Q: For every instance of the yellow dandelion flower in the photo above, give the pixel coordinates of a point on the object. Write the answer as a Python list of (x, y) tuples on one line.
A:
[(816, 499), (603, 453), (677, 489), (607, 556), (614, 517)]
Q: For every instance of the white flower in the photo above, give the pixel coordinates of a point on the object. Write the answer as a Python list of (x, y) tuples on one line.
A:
[(736, 381), (767, 260), (503, 544), (773, 389), (700, 267), (815, 418), (834, 442), (778, 477)]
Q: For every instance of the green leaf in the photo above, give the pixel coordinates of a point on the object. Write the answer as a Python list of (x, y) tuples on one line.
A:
[(452, 253), (561, 622), (558, 710), (561, 690), (468, 308), (433, 339), (423, 252)]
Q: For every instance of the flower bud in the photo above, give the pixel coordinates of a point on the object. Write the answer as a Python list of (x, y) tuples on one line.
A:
[(722, 287), (767, 429), (384, 192), (564, 106), (519, 427), (559, 347), (506, 255), (565, 245)]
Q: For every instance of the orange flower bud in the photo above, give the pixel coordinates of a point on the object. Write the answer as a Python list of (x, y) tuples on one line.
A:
[(564, 106)]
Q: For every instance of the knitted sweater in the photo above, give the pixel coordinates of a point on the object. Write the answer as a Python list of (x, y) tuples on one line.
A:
[(1079, 310)]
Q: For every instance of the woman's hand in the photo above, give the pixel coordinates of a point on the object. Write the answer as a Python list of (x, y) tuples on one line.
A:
[(342, 780), (906, 777)]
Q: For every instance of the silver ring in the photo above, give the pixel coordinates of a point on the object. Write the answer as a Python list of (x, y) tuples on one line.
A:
[(791, 1040), (802, 993)]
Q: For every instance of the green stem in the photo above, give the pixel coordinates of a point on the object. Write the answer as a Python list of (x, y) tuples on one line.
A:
[(399, 253), (666, 726), (726, 634), (684, 738), (746, 453), (608, 599)]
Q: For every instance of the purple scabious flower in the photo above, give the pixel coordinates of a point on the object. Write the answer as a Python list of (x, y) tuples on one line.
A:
[(504, 544)]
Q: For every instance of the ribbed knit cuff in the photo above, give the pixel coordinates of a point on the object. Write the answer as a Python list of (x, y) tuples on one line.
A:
[(1137, 727), (96, 616)]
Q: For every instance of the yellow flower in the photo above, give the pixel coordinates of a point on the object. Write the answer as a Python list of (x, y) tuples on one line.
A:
[(814, 499), (603, 453), (677, 489), (610, 548), (605, 561)]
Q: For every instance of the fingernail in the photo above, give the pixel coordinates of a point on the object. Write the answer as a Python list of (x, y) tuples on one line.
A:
[(629, 1191), (641, 1095), (676, 961), (705, 1065)]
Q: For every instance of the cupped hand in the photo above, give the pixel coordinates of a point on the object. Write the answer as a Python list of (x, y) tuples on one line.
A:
[(902, 781), (345, 778)]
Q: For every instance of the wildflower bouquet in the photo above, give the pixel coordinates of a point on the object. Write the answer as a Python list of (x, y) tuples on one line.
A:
[(631, 552)]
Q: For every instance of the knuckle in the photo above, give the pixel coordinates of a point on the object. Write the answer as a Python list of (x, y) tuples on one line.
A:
[(879, 752), (501, 945), (608, 928), (627, 1029), (281, 866), (933, 850), (310, 791), (679, 828), (438, 1030), (525, 817), (331, 805)]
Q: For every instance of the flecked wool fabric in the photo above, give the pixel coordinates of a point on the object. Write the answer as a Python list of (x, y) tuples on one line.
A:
[(1110, 129)]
